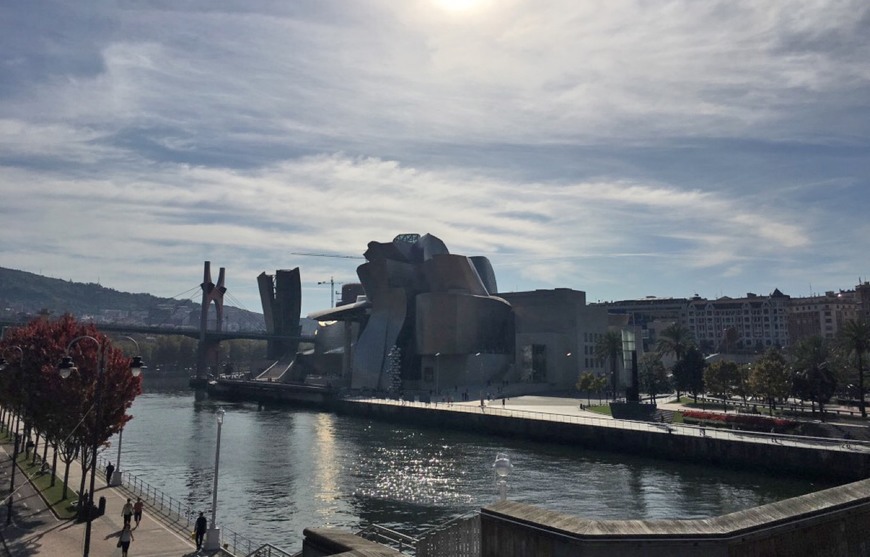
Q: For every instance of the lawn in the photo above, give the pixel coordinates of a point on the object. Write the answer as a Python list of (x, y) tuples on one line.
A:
[(42, 482)]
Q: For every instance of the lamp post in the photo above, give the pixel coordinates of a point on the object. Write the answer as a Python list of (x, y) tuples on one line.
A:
[(437, 355), (213, 536), (66, 368), (117, 475), (502, 468), (15, 447)]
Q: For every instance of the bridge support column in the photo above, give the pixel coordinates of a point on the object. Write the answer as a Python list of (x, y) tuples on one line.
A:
[(207, 351)]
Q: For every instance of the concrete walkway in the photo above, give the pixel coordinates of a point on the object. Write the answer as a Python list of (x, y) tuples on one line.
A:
[(567, 409), (35, 531)]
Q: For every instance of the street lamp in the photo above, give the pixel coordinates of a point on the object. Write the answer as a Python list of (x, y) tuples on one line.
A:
[(67, 367), (3, 365), (117, 475), (437, 355), (502, 468), (213, 536)]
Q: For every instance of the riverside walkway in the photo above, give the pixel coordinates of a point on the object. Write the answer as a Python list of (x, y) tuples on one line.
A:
[(568, 410), (35, 530)]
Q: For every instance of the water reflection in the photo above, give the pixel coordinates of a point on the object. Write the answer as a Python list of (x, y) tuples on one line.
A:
[(283, 470)]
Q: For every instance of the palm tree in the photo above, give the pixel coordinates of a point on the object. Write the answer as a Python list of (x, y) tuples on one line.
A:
[(609, 347), (855, 337), (675, 339)]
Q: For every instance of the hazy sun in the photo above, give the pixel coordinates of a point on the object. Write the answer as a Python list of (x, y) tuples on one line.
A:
[(457, 5)]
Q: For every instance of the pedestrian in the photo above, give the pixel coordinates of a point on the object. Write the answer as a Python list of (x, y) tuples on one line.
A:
[(199, 530), (124, 539), (127, 512), (109, 470), (137, 510)]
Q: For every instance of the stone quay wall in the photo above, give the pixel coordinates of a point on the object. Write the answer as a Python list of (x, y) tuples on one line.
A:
[(830, 523), (831, 463)]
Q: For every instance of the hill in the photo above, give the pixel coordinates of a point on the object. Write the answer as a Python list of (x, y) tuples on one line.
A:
[(23, 295)]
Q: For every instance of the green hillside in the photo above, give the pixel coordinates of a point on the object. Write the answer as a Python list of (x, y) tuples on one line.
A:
[(26, 294)]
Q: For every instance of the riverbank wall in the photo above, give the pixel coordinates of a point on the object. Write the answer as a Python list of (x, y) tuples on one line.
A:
[(828, 462), (829, 522)]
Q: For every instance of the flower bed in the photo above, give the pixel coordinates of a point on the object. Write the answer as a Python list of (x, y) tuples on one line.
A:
[(741, 421)]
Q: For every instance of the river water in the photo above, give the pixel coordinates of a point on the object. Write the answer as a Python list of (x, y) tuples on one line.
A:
[(282, 470)]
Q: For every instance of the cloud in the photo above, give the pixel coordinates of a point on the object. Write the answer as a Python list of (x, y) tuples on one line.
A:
[(609, 146)]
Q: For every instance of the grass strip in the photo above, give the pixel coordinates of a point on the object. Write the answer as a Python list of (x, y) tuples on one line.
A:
[(53, 495)]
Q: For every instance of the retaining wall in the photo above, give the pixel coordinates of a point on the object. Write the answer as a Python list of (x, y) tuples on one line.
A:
[(832, 523), (829, 463)]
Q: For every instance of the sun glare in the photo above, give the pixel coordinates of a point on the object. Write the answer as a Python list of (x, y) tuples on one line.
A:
[(457, 6)]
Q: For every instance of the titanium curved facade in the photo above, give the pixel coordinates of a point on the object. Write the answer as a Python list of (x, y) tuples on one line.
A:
[(427, 303)]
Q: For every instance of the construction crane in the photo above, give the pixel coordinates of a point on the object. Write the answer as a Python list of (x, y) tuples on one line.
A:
[(331, 282)]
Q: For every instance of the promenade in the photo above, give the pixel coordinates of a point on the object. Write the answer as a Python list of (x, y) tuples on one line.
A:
[(558, 409), (36, 531)]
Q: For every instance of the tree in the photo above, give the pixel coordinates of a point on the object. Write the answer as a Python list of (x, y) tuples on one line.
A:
[(609, 347), (675, 339), (769, 377), (652, 374), (689, 372), (722, 379), (742, 389), (855, 338), (730, 338), (65, 409), (812, 376), (586, 382)]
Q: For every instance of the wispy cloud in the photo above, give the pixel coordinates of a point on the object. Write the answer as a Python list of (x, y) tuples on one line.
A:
[(616, 147)]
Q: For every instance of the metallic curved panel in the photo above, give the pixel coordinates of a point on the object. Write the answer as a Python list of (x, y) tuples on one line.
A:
[(397, 251), (453, 273), (455, 323), (380, 334), (429, 246), (485, 272), (382, 274), (281, 297)]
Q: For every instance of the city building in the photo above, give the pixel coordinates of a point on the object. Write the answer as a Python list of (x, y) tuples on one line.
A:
[(821, 315)]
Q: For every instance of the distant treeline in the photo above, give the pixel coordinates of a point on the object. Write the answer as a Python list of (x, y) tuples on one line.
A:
[(176, 352)]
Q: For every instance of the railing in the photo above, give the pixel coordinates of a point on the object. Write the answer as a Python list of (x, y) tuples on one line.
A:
[(269, 550), (459, 537), (386, 536), (182, 516), (678, 429)]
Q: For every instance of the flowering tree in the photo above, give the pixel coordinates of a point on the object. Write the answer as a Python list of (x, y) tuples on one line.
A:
[(66, 410)]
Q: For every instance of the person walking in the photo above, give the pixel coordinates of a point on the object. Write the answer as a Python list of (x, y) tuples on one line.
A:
[(137, 510), (109, 470), (127, 512), (124, 539), (200, 528)]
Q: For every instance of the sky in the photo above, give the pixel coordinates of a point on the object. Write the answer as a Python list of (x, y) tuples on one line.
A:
[(626, 148)]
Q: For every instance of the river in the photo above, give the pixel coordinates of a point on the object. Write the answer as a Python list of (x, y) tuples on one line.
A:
[(282, 470)]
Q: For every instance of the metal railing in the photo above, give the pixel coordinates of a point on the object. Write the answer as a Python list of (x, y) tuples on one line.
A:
[(459, 537), (182, 515), (389, 537), (269, 550), (679, 429)]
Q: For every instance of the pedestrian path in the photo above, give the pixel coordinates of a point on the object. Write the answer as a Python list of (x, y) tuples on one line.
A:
[(35, 531)]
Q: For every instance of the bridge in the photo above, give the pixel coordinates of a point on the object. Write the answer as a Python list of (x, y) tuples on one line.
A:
[(278, 325)]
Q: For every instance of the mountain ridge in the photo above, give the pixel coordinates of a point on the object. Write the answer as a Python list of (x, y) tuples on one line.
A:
[(24, 294)]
